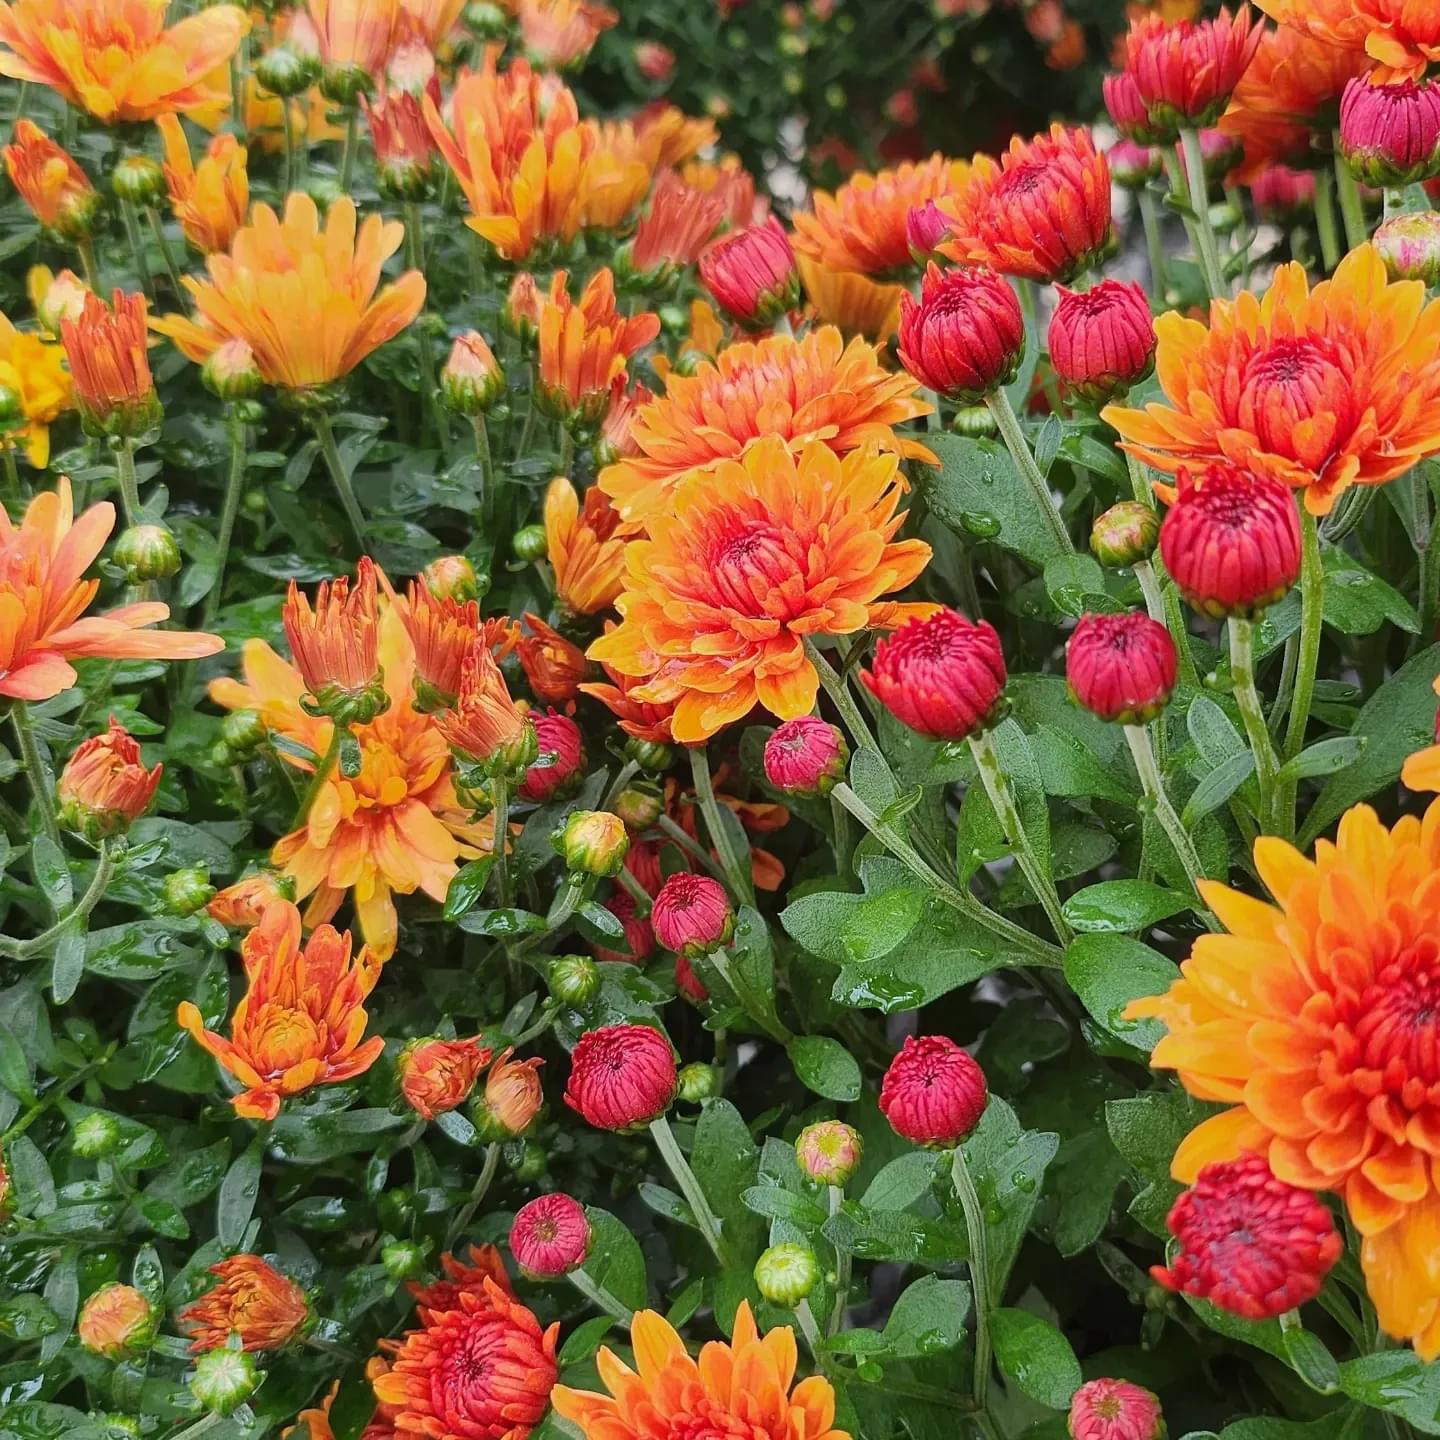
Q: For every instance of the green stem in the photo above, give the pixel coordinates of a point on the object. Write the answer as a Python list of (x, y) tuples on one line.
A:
[(623, 777), (288, 122), (1325, 219), (630, 884), (773, 1028), (567, 451), (679, 1167), (1154, 241), (137, 248), (1154, 787), (13, 498), (548, 1011), (1352, 208), (172, 269), (198, 1427), (415, 258), (229, 509), (500, 847), (94, 893), (1150, 589), (675, 832), (842, 1267), (325, 434), (128, 482), (89, 270), (735, 866), (1247, 697), (352, 146), (56, 1093), (1140, 479), (979, 1273), (486, 463), (322, 773), (1015, 442), (1429, 559), (1209, 257), (840, 838), (600, 1297), (37, 769), (805, 1318), (477, 1195), (1002, 798), (1312, 601)]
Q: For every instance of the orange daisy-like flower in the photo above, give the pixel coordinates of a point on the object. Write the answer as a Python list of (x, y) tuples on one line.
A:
[(751, 559), (208, 200), (354, 37), (336, 644), (671, 136), (641, 719), (251, 1299), (746, 1387), (44, 597), (50, 181), (483, 1370), (616, 177), (1401, 36), (302, 1020), (1314, 1021), (861, 227), (560, 33), (519, 150), (553, 666), (443, 632), (116, 60), (585, 546), (322, 280), (34, 370), (1317, 389), (796, 391), (728, 179), (679, 223), (584, 346), (394, 828), (1042, 212), (853, 303), (484, 722), (1290, 91)]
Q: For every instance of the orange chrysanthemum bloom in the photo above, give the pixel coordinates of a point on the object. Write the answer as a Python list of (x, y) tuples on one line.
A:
[(616, 177), (34, 370), (443, 632), (481, 1371), (560, 33), (322, 280), (670, 136), (1290, 91), (484, 722), (853, 303), (861, 227), (519, 151), (585, 546), (678, 224), (355, 37), (107, 348), (208, 200), (485, 1263), (394, 828), (1314, 1020), (815, 388), (1319, 389), (1042, 212), (1401, 36), (745, 1387), (50, 181), (642, 719), (336, 645), (584, 346), (44, 597), (728, 179), (753, 558), (302, 1020), (105, 787), (250, 1299), (242, 904), (116, 60), (553, 666)]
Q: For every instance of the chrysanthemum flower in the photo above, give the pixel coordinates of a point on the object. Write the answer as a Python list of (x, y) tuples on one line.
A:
[(513, 1096), (438, 1075), (518, 150), (646, 720), (50, 181), (853, 303), (484, 725), (456, 1276), (560, 33), (107, 347), (430, 20), (482, 1371), (672, 137), (550, 1235), (1312, 1020), (105, 787), (250, 1298), (553, 665), (210, 199), (321, 279), (1319, 389), (397, 826), (1042, 212), (743, 1387), (614, 439), (616, 177), (584, 345), (115, 59), (752, 559), (33, 370), (679, 222), (862, 226), (442, 632), (585, 546), (336, 645), (729, 180), (355, 38), (242, 904), (302, 1020), (780, 388), (1401, 36), (43, 599)]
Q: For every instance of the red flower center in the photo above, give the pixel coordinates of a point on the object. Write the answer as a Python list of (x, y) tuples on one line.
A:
[(750, 566), (1292, 382), (1397, 1023)]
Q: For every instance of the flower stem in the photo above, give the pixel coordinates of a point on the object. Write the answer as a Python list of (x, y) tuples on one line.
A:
[(567, 451), (172, 270), (137, 248), (37, 769), (1352, 208), (1019, 448), (89, 270), (1154, 241), (477, 1195), (1209, 250), (415, 258), (840, 838), (1140, 479), (230, 507), (679, 1166), (979, 1273), (1325, 219), (323, 770), (773, 1028), (487, 467), (1154, 786), (600, 1297), (1312, 619), (1150, 589), (997, 787), (805, 1318), (325, 434), (352, 146), (126, 479), (842, 1268), (94, 893), (1247, 697), (736, 867), (500, 838), (13, 497)]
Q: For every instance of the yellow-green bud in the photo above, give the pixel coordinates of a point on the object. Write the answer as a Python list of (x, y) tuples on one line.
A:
[(1125, 534), (138, 179), (531, 1164), (12, 408), (486, 21), (594, 842), (828, 1152), (639, 805), (451, 577), (472, 379), (187, 891), (224, 1380), (573, 979), (975, 421), (231, 373), (785, 1274), (243, 731), (147, 552), (285, 71), (696, 1082), (95, 1135), (402, 1259), (530, 543), (345, 84), (116, 1322)]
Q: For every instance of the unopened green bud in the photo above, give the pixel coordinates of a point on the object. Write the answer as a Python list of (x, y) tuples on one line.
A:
[(284, 71), (530, 543), (976, 421), (649, 755), (242, 731), (187, 891), (573, 979), (12, 408), (224, 1380), (696, 1082), (231, 373), (785, 1274), (594, 842), (1125, 534), (96, 1134), (138, 179), (531, 1164), (485, 20), (147, 552), (639, 806), (402, 1259), (345, 84)]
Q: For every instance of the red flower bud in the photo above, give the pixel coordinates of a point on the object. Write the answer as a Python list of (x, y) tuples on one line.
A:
[(1132, 166), (561, 759), (1121, 667), (1390, 134), (1102, 341), (621, 1077), (1249, 1243), (933, 1093), (1231, 541), (1129, 112), (550, 1236), (942, 676), (806, 756), (438, 1075), (1115, 1410), (752, 274), (692, 914), (1282, 196), (926, 226), (965, 336)]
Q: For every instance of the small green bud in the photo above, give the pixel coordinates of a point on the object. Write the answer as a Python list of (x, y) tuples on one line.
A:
[(96, 1134), (649, 755), (224, 1380), (976, 421), (283, 71), (785, 1274), (324, 190), (345, 84), (828, 1151), (230, 372), (402, 1259), (138, 179), (573, 979), (147, 552), (451, 577), (530, 543), (531, 1164), (12, 408), (639, 805), (696, 1082), (243, 731), (1125, 534), (485, 20), (187, 891)]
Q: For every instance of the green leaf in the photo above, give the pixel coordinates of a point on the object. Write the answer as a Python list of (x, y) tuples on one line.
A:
[(1036, 1356), (775, 1203), (1398, 1382), (62, 1295), (502, 924), (892, 1235), (1076, 584), (854, 929), (928, 1318), (467, 886), (1109, 971), (979, 494), (1327, 757), (52, 872), (615, 1262), (1310, 1360), (27, 1317), (147, 1275), (902, 1182), (1358, 602), (826, 1067), (585, 1339), (726, 1163), (1069, 769), (1118, 905), (69, 962), (238, 1191), (1218, 785), (14, 1067)]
